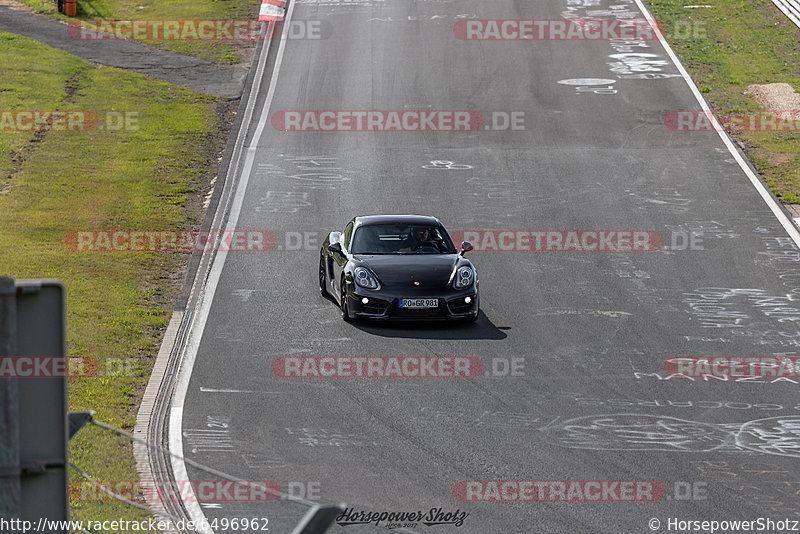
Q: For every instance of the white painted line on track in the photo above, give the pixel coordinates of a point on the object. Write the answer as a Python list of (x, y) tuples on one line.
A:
[(784, 219), (211, 390), (193, 509)]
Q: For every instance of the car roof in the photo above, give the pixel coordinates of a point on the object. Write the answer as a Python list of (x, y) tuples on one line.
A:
[(397, 219)]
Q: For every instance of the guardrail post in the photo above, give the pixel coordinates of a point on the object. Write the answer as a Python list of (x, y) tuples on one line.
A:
[(10, 489), (318, 519), (33, 405)]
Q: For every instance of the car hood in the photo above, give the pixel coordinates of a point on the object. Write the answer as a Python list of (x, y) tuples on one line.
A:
[(430, 270)]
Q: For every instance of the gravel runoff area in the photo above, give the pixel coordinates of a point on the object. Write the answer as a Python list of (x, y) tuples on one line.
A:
[(775, 96), (778, 97)]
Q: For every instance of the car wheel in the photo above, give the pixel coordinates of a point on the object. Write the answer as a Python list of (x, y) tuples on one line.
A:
[(474, 318), (322, 283), (344, 307)]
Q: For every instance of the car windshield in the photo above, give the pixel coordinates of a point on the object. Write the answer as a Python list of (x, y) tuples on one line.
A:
[(402, 239)]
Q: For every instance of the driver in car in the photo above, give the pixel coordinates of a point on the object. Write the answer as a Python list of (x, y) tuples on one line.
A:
[(419, 237)]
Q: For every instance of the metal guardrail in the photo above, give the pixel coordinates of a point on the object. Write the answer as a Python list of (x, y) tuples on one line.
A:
[(790, 8)]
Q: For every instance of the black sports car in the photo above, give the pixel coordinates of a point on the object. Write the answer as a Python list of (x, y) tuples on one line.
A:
[(398, 267)]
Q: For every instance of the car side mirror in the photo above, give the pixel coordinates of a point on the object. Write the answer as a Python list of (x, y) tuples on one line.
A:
[(336, 247), (466, 246)]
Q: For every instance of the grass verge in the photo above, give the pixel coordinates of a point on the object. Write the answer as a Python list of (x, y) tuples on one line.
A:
[(140, 177), (741, 42)]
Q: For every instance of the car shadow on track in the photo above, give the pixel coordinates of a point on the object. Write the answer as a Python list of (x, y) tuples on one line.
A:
[(483, 328)]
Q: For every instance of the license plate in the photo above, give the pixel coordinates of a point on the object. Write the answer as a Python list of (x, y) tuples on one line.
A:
[(419, 303)]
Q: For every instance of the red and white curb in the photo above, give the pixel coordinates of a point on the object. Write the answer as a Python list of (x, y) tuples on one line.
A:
[(272, 10)]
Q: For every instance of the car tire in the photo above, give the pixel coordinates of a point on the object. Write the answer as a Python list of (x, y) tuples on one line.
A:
[(473, 319), (343, 305), (323, 285)]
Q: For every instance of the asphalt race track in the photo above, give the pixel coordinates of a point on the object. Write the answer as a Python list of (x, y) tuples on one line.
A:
[(588, 332)]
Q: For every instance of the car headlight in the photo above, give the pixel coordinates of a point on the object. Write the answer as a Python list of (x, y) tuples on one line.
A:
[(364, 278), (465, 277)]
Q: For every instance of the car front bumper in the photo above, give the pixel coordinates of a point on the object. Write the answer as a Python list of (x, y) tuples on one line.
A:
[(384, 304)]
